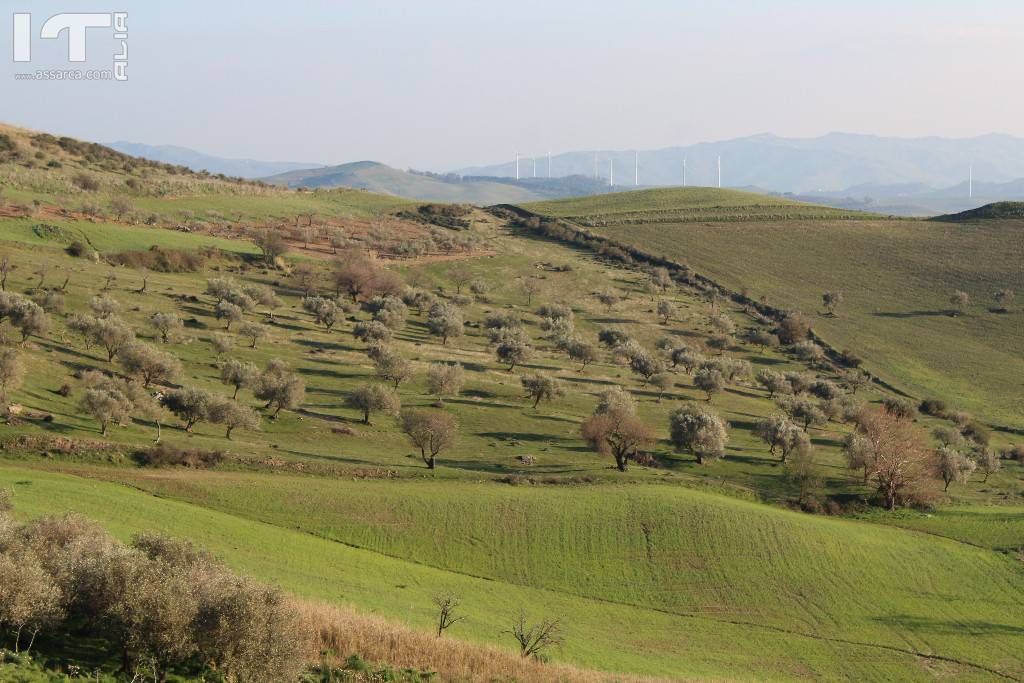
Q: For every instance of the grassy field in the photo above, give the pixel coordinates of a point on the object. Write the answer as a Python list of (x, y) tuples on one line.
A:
[(896, 278), (710, 585)]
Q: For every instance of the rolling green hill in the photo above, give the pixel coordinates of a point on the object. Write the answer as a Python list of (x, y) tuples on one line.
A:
[(716, 587), (672, 568), (896, 277)]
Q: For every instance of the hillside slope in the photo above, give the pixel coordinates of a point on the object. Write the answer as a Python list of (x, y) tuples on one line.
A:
[(707, 579), (897, 278)]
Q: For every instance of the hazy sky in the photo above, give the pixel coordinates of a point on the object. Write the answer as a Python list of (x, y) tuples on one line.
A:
[(438, 84)]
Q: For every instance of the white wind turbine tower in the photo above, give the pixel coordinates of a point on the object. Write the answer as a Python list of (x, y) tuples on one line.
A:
[(611, 173), (517, 165), (719, 171), (534, 167), (684, 171)]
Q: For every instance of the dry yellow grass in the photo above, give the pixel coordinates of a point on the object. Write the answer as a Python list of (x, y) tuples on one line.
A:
[(346, 631)]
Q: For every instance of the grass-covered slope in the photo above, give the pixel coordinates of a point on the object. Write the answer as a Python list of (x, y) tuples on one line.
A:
[(701, 579), (682, 205), (896, 278), (996, 210)]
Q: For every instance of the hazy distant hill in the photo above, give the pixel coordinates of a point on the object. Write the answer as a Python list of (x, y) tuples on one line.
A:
[(832, 162), (197, 161), (377, 177)]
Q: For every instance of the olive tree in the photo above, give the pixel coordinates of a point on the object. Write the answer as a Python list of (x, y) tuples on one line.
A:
[(232, 415), (373, 398), (167, 325), (148, 363), (238, 374), (431, 431), (445, 379), (699, 430), (279, 387), (513, 347), (190, 404), (444, 320), (541, 387)]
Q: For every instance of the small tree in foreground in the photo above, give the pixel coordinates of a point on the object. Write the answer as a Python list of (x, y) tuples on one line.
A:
[(430, 431), (167, 325), (535, 639), (446, 606)]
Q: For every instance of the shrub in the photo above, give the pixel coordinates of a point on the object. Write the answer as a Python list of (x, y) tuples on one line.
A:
[(166, 456)]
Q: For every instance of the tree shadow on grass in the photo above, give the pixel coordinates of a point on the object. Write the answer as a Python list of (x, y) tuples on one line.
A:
[(324, 372), (324, 345), (959, 627), (911, 314)]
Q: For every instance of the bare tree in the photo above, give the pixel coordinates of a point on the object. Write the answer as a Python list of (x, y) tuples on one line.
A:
[(961, 300), (446, 606), (535, 639)]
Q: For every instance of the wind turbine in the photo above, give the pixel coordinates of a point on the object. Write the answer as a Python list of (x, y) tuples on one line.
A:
[(684, 171), (534, 167), (611, 173), (517, 165)]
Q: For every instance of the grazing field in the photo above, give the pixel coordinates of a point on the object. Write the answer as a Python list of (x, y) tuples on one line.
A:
[(896, 278), (702, 579)]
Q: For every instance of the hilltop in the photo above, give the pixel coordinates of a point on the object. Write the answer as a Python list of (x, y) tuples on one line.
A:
[(994, 211), (199, 161), (378, 177)]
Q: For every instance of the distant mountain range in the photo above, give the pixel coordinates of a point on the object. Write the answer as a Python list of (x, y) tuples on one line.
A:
[(377, 177), (197, 161), (906, 176), (829, 163)]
